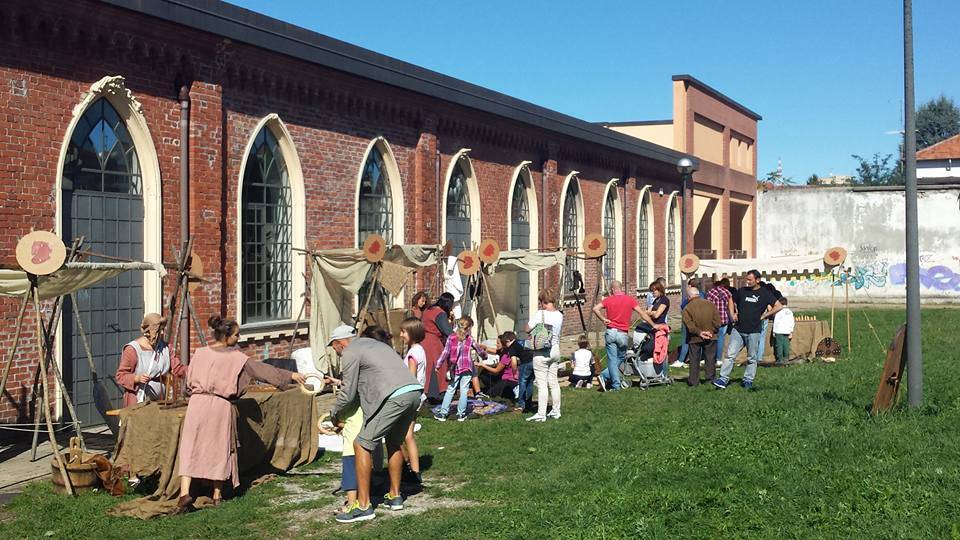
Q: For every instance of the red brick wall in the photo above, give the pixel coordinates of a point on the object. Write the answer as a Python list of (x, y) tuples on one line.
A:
[(60, 48)]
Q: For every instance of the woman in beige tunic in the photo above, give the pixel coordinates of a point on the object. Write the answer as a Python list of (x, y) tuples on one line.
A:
[(218, 374)]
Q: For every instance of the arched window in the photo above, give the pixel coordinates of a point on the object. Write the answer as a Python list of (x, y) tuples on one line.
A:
[(458, 211), (610, 223), (266, 234), (571, 228), (643, 242), (101, 155), (375, 207), (520, 239), (672, 242)]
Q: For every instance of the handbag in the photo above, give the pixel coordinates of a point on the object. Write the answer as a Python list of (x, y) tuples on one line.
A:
[(539, 337)]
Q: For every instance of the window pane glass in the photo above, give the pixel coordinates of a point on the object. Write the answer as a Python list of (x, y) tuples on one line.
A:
[(571, 228), (267, 227), (375, 211), (101, 155), (610, 235), (643, 251)]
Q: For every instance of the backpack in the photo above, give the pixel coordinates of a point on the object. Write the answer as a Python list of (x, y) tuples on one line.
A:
[(539, 337)]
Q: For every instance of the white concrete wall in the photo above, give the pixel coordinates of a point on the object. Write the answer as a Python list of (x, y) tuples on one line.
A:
[(869, 223)]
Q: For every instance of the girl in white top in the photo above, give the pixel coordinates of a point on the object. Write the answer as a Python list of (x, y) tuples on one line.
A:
[(545, 367), (412, 333), (582, 376)]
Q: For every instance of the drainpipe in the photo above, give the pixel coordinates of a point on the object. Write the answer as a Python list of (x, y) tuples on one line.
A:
[(437, 226), (184, 347), (625, 235)]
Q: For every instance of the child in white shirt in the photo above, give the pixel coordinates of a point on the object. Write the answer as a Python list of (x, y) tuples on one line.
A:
[(582, 375), (783, 324)]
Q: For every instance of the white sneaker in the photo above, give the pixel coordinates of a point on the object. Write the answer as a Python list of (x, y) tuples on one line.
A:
[(677, 364), (589, 385), (553, 414), (537, 418)]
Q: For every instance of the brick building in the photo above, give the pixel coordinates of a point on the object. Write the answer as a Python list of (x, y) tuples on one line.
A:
[(722, 134), (295, 140)]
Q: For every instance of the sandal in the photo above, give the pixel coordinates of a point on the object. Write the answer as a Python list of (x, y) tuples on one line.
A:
[(184, 505)]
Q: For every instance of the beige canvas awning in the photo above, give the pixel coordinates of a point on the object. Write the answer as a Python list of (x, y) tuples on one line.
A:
[(769, 267), (72, 277), (336, 277), (502, 284)]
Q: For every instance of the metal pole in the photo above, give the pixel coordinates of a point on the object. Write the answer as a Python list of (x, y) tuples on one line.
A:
[(914, 352), (683, 217), (184, 208)]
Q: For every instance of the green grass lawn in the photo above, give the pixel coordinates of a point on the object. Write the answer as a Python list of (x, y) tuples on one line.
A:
[(799, 458)]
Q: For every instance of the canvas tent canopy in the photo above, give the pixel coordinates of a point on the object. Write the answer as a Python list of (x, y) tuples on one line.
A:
[(72, 277), (769, 267), (337, 275), (503, 284)]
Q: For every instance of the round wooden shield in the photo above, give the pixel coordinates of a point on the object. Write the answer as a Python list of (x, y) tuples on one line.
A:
[(195, 271), (41, 253), (828, 349), (689, 263), (489, 251), (835, 256), (594, 246), (468, 262), (374, 248)]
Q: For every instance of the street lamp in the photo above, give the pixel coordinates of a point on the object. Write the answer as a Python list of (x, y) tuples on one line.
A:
[(686, 168)]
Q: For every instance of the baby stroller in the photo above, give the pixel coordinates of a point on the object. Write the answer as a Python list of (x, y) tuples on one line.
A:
[(638, 361)]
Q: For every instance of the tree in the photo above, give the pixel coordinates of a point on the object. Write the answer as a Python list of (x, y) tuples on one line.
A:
[(937, 119), (878, 171), (777, 178), (813, 180)]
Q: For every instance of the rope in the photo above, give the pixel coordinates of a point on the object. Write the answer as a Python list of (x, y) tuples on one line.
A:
[(883, 348)]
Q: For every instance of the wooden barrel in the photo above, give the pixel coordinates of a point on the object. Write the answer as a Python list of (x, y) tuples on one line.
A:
[(83, 476)]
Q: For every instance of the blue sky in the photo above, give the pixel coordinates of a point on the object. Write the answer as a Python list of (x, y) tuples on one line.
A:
[(826, 76)]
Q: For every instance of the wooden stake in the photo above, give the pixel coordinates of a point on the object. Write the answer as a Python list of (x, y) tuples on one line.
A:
[(833, 303), (16, 342), (43, 383), (486, 290), (847, 301)]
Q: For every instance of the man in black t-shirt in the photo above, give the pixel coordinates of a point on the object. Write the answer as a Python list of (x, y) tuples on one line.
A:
[(768, 320), (524, 358), (754, 304)]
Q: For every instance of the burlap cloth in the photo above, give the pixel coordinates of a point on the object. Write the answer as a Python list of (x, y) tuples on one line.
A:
[(276, 430), (806, 336)]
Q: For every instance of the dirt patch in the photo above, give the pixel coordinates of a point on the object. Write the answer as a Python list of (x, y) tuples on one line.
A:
[(427, 499)]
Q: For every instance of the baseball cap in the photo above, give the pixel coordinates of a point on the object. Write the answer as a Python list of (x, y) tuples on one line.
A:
[(343, 331)]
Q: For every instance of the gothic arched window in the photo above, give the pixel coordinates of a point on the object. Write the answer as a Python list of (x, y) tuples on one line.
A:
[(266, 232)]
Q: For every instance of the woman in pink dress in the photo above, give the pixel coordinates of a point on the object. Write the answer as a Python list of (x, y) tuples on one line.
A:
[(218, 374)]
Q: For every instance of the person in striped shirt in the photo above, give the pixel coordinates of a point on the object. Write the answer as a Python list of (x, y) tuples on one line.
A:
[(721, 297)]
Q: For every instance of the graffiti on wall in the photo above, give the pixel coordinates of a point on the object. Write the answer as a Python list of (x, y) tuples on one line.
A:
[(861, 277), (936, 276)]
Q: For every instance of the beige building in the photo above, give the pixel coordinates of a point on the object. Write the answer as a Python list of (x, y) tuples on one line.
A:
[(723, 135)]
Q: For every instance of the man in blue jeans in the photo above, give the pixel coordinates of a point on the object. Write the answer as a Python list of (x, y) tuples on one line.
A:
[(524, 359), (754, 304), (616, 311)]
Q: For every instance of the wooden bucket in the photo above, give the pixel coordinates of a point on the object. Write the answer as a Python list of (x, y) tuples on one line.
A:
[(83, 476)]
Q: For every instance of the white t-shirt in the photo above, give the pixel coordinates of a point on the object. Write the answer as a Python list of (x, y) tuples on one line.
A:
[(417, 355), (582, 358), (553, 319), (783, 322)]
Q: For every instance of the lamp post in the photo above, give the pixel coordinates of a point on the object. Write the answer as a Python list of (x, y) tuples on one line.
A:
[(685, 167)]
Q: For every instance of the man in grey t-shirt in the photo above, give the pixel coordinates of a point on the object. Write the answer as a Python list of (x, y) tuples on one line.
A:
[(389, 396)]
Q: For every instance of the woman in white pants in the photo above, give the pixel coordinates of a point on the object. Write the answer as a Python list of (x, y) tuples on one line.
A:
[(545, 367)]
